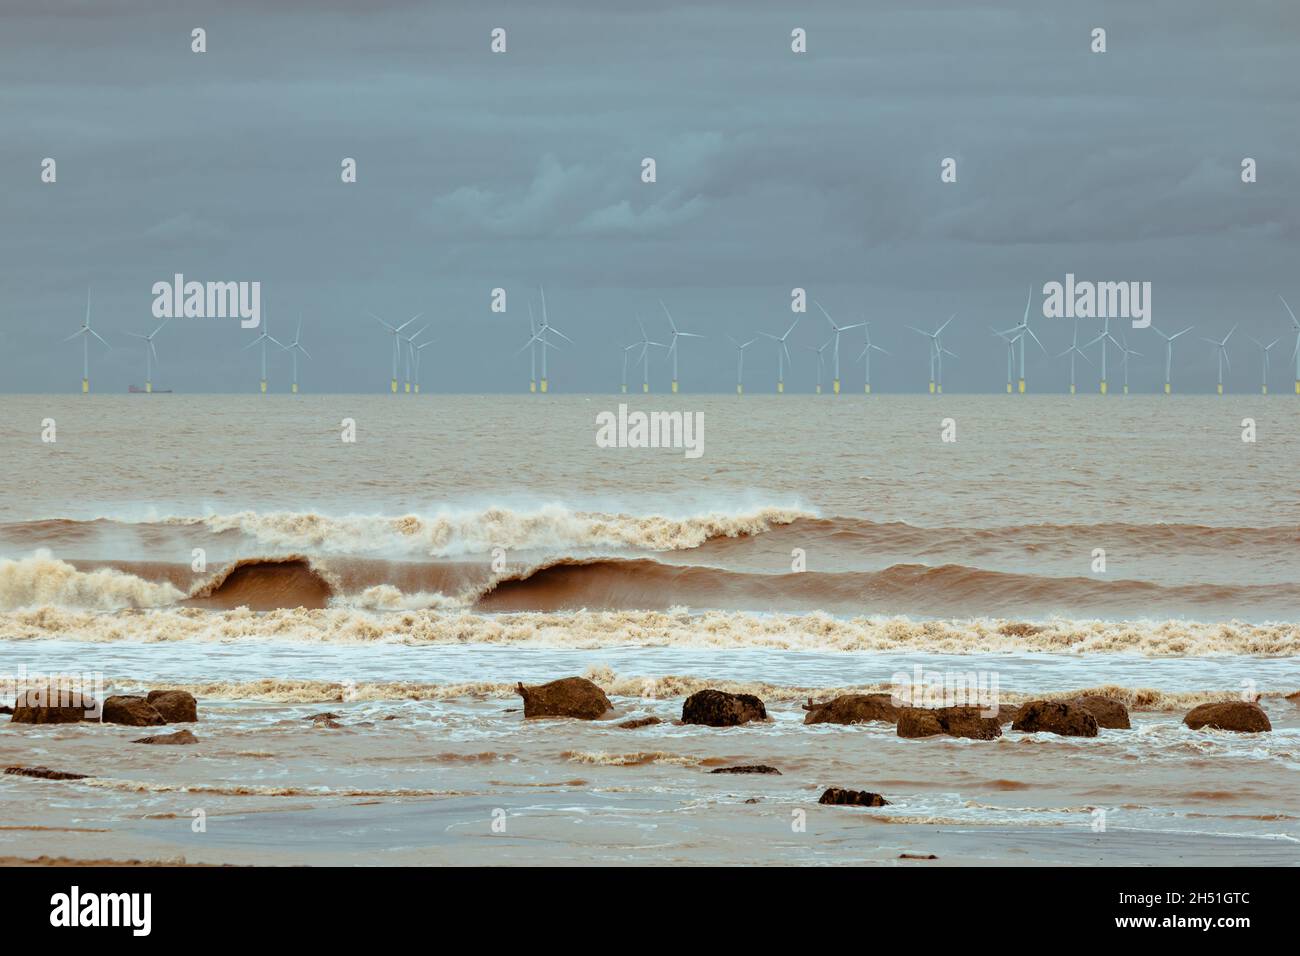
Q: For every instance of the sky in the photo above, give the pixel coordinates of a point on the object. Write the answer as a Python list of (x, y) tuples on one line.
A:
[(775, 170)]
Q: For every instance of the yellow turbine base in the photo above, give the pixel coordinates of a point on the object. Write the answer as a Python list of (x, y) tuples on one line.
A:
[(1021, 386), (408, 388), (645, 387), (1263, 390), (740, 390), (148, 388), (819, 389), (263, 386), (294, 388), (867, 388), (394, 386), (1125, 389), (624, 388), (932, 388), (674, 386), (545, 384), (532, 386), (1103, 386), (1168, 389), (1219, 388), (1072, 390), (1008, 388), (85, 385), (938, 389), (835, 386), (417, 388), (780, 387), (1297, 388)]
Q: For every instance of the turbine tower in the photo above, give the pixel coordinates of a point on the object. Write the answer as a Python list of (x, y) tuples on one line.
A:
[(1127, 352), (626, 350), (866, 354), (740, 363), (86, 332), (644, 357), (1263, 387), (821, 360), (416, 350), (1295, 354), (1103, 339), (1072, 351), (150, 354), (1169, 353), (294, 348), (937, 352), (1221, 351), (782, 353), (672, 343), (396, 332), (262, 340), (410, 354), (837, 329), (541, 332), (1018, 334)]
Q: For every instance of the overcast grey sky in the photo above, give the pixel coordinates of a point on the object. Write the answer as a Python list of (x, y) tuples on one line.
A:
[(775, 170)]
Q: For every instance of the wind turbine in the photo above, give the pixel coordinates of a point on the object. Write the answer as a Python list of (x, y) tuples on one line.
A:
[(627, 349), (263, 339), (1169, 353), (1072, 351), (821, 360), (837, 329), (1263, 388), (415, 351), (782, 352), (1018, 334), (150, 354), (410, 354), (937, 352), (740, 363), (535, 339), (541, 333), (866, 354), (1295, 354), (85, 332), (1127, 352), (1221, 350), (1103, 339), (294, 348), (396, 332), (644, 357), (672, 343)]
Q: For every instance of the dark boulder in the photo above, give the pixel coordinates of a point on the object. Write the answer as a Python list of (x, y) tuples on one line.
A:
[(748, 768), (1238, 715), (132, 711), (176, 706), (1007, 713), (853, 798), (567, 697), (45, 773), (968, 722), (34, 707), (1055, 717), (717, 708), (1109, 713), (852, 709), (180, 737)]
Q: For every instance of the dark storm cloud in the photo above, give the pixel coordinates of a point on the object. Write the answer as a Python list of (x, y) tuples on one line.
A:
[(775, 170)]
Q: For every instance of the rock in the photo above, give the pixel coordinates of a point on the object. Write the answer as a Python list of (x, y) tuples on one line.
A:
[(325, 720), (917, 856), (748, 768), (132, 711), (1007, 713), (1109, 713), (327, 715), (954, 721), (30, 707), (1229, 715), (1055, 717), (45, 773), (567, 697), (180, 737), (853, 798), (640, 722), (717, 708), (6, 709), (852, 709), (176, 706)]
